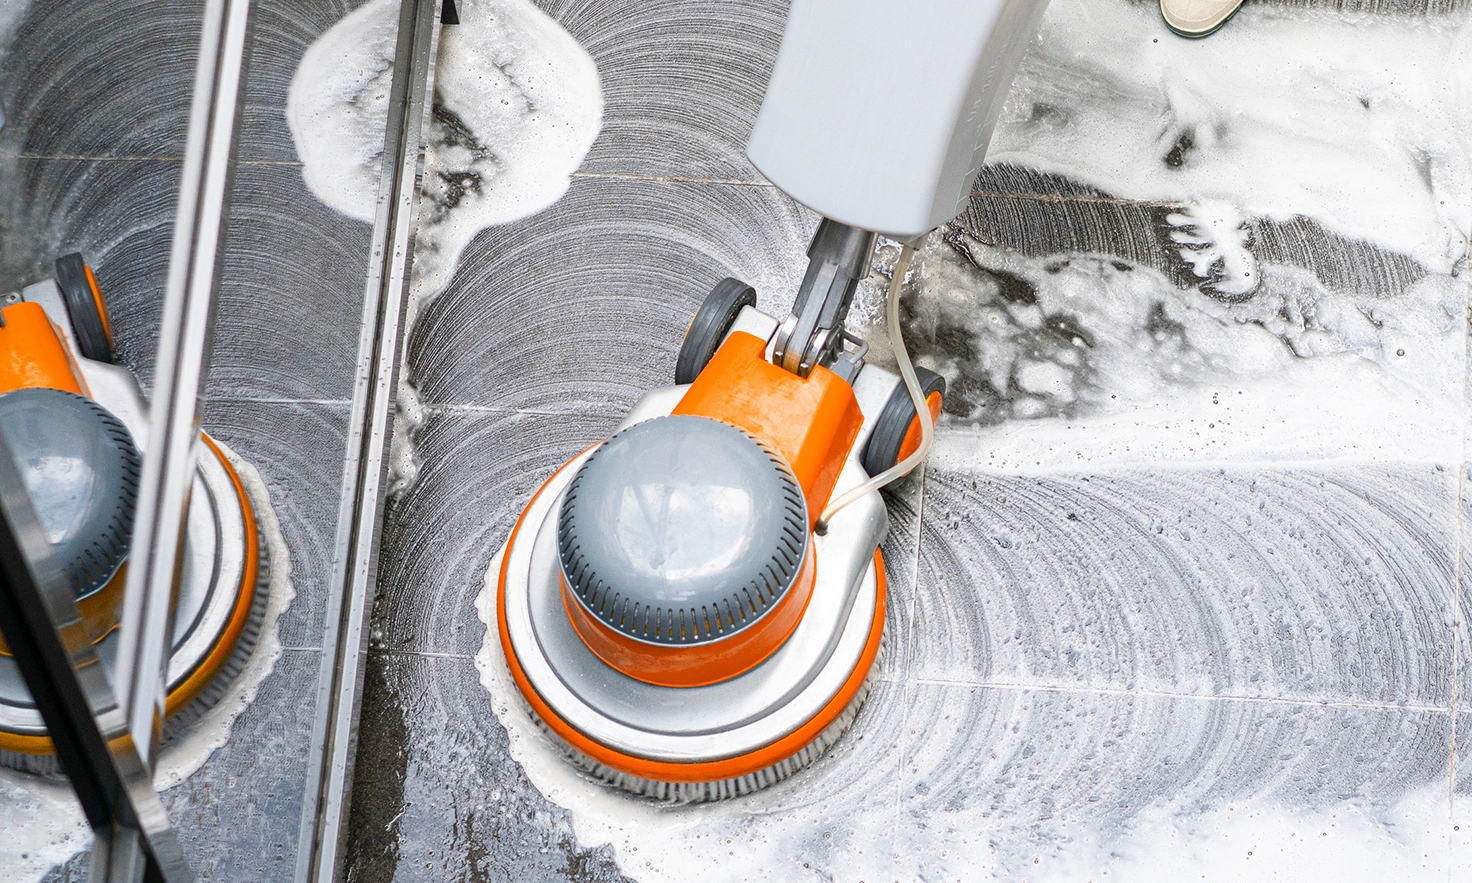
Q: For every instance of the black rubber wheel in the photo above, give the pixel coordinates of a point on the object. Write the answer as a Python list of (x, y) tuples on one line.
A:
[(888, 437), (84, 308), (710, 325)]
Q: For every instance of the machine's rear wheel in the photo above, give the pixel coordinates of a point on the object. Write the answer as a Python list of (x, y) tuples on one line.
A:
[(711, 324), (897, 431), (85, 307)]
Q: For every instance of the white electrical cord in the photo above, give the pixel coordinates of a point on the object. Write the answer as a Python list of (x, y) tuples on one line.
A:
[(917, 396)]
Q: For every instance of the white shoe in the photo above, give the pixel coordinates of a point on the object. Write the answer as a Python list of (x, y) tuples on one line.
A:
[(1197, 18)]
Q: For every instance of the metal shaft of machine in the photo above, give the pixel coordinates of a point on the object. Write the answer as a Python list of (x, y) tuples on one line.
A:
[(55, 655), (370, 429), (838, 259)]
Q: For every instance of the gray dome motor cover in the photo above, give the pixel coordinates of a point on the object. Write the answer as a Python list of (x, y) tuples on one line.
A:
[(682, 530), (81, 467)]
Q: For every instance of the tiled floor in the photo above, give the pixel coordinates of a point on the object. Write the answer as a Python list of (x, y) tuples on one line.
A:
[(1156, 665), (1091, 668)]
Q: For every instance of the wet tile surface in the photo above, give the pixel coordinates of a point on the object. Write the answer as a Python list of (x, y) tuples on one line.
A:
[(681, 82), (287, 318), (1119, 639), (238, 816), (1042, 767), (77, 85), (438, 797), (298, 450), (1335, 583), (593, 322)]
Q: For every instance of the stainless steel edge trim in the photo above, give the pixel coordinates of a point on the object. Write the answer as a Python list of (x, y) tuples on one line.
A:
[(325, 802), (168, 464)]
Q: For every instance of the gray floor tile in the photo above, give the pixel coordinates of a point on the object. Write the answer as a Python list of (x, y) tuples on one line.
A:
[(290, 292), (437, 795), (901, 550), (583, 307), (1024, 784), (444, 800), (238, 816), (298, 450), (111, 81), (116, 82), (1463, 625), (283, 29), (1325, 582), (682, 82), (479, 470)]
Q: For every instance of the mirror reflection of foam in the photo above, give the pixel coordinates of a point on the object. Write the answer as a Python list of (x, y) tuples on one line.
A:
[(517, 105), (43, 824)]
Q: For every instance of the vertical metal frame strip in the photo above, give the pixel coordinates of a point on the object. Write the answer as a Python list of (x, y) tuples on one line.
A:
[(360, 505), (168, 462)]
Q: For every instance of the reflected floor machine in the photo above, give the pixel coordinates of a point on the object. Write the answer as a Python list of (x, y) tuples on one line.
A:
[(693, 609), (76, 422)]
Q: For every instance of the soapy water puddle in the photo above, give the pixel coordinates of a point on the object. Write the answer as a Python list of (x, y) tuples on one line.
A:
[(1211, 382)]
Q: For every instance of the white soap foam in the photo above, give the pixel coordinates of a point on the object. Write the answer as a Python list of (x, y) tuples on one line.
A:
[(1254, 842), (44, 825), (518, 105), (1215, 243), (1101, 363), (1363, 123)]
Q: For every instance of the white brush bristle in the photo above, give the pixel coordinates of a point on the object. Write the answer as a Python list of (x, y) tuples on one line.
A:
[(724, 789)]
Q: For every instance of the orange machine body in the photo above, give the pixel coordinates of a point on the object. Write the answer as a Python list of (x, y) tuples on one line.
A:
[(811, 421), (695, 665), (34, 354)]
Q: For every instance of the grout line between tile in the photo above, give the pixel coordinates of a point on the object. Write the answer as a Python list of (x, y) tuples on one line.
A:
[(1074, 197), (909, 624), (1185, 465), (263, 400), (497, 409), (85, 157), (426, 654), (1165, 694), (671, 179)]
